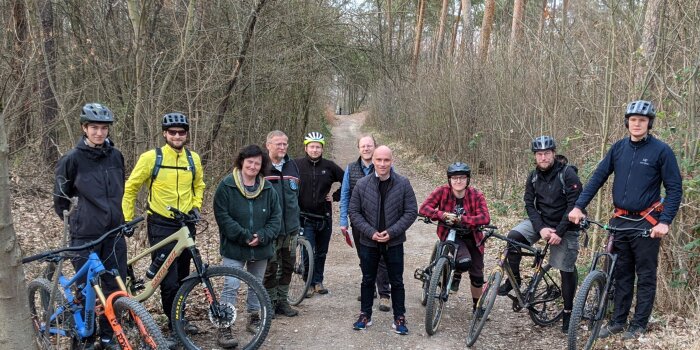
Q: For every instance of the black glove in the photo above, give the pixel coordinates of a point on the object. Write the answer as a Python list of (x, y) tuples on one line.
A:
[(128, 231), (195, 214)]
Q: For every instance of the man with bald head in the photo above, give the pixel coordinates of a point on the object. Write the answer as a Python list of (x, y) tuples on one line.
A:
[(382, 207)]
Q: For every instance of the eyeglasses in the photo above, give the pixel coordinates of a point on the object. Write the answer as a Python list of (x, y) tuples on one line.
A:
[(280, 144), (177, 132), (459, 178)]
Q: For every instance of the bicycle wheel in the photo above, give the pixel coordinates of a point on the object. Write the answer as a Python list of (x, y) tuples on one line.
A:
[(140, 329), (233, 290), (484, 306), (547, 304), (301, 272), (589, 302), (437, 295), (58, 333), (426, 281)]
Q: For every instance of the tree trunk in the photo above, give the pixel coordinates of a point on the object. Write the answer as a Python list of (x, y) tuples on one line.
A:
[(138, 24), (455, 27), (390, 28), (516, 33), (651, 28), (438, 47), (486, 25), (23, 130), (233, 80), (418, 36), (467, 30), (544, 14), (47, 77)]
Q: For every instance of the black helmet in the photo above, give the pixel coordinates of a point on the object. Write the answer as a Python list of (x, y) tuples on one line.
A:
[(96, 113), (643, 108), (543, 143), (458, 168), (175, 119)]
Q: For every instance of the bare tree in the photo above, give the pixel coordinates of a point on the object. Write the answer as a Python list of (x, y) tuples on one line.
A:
[(438, 47), (49, 109), (486, 26), (516, 33), (418, 36), (467, 30)]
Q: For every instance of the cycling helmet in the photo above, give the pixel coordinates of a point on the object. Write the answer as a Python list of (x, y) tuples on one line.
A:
[(175, 119), (458, 168), (96, 113), (543, 143), (314, 136), (643, 108)]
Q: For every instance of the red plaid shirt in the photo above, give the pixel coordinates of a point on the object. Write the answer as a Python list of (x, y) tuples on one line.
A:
[(441, 200)]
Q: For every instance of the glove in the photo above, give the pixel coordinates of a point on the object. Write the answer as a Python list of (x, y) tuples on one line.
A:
[(450, 218), (195, 214)]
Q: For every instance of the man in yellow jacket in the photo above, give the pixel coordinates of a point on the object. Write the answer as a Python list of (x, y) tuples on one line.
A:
[(174, 177)]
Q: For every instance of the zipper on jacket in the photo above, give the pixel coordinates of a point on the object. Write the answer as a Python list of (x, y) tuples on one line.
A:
[(177, 179), (629, 174), (250, 225)]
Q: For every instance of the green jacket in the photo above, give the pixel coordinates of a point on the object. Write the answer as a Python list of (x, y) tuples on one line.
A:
[(286, 183), (239, 216)]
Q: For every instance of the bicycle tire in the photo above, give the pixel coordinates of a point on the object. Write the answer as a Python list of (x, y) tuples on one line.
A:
[(39, 292), (426, 281), (437, 295), (138, 325), (301, 274), (194, 298), (548, 304), (584, 311), (484, 306)]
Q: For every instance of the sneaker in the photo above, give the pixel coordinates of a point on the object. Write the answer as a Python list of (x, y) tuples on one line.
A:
[(611, 329), (565, 317), (320, 289), (190, 328), (226, 339), (253, 322), (399, 325), (384, 304), (633, 332), (283, 308), (363, 321), (454, 288)]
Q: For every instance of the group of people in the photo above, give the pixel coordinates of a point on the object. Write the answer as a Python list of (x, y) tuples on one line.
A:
[(259, 209)]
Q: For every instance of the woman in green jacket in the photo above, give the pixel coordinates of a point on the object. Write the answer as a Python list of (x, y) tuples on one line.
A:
[(249, 216)]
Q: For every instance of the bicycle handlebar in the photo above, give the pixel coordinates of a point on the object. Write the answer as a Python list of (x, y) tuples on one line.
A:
[(586, 223), (491, 232), (125, 228), (183, 217), (456, 227)]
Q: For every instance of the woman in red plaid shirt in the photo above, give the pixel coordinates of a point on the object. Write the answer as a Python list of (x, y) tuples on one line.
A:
[(457, 203)]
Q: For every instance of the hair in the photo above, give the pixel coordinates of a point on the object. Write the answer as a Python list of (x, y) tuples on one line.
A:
[(251, 151), (274, 133), (368, 135)]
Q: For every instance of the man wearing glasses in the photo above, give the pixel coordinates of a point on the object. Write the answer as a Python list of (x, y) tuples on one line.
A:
[(174, 177)]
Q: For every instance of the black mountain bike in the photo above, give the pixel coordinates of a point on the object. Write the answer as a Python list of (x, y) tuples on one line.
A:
[(303, 270)]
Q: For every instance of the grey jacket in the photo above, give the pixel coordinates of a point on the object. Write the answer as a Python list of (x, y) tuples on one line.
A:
[(400, 208)]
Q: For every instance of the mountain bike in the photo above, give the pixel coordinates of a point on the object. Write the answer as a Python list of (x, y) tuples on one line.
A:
[(437, 276), (597, 290), (542, 298), (65, 318), (303, 271), (199, 300)]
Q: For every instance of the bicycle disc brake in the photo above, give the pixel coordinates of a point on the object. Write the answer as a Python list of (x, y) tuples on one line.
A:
[(227, 315)]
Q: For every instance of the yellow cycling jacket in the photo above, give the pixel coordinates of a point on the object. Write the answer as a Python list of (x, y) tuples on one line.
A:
[(172, 187)]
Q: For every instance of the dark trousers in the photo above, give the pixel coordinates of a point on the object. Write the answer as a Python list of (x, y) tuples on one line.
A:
[(112, 252), (159, 228), (279, 268), (318, 233), (635, 257), (383, 286), (369, 262)]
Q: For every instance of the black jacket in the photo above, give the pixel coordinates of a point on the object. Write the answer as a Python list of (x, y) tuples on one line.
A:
[(96, 176), (317, 177), (547, 204)]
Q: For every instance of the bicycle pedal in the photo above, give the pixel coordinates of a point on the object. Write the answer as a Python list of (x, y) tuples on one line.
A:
[(138, 285), (420, 274)]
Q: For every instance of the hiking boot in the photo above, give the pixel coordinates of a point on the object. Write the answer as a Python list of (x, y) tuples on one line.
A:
[(454, 288), (611, 329), (399, 325), (190, 328), (253, 323), (363, 321), (226, 339), (565, 317), (384, 304), (320, 289), (283, 308), (633, 332)]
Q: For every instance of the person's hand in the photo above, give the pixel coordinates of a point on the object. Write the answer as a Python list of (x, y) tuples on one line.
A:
[(554, 239), (329, 197), (576, 215), (195, 214), (659, 231), (344, 230), (450, 218), (384, 236), (376, 236), (255, 241), (546, 233)]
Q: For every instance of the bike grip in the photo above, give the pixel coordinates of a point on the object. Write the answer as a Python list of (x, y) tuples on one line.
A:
[(34, 258), (135, 221)]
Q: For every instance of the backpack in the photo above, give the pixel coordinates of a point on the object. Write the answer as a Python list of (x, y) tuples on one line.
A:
[(159, 164), (560, 176)]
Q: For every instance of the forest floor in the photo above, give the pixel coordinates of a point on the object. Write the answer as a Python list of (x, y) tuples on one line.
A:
[(325, 321)]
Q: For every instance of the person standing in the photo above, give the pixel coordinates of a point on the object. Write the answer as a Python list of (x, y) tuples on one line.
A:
[(284, 177), (641, 164), (353, 172), (174, 177), (317, 175), (382, 207), (93, 172), (249, 216)]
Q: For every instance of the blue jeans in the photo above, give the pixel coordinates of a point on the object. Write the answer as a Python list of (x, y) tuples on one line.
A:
[(230, 293), (369, 262), (318, 233)]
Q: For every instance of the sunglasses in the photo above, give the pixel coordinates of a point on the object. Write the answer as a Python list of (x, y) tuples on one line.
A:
[(177, 132)]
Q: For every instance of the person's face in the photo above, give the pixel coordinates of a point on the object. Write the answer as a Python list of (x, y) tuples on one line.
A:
[(366, 147), (459, 182), (314, 150), (96, 133), (638, 126), (382, 160), (251, 166), (175, 137), (277, 147), (544, 159)]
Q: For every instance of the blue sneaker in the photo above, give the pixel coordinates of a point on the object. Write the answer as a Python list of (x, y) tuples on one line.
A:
[(399, 325), (362, 322)]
